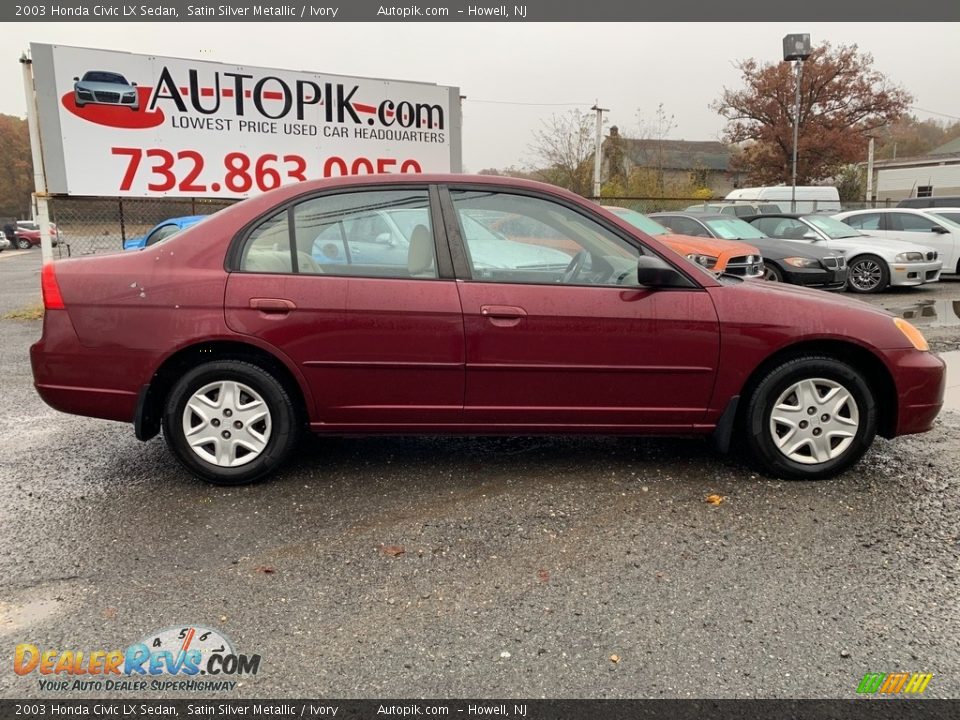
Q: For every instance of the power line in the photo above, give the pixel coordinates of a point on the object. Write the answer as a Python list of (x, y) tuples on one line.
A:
[(509, 102), (934, 112)]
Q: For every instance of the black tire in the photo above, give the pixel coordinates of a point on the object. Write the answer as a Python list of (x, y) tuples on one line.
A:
[(771, 273), (283, 418), (759, 436), (878, 269), (23, 244)]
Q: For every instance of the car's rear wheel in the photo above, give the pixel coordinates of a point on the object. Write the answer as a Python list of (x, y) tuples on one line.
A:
[(230, 422), (868, 274), (771, 273), (810, 418), (24, 244)]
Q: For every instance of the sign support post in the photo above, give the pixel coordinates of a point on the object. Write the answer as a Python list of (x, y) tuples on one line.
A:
[(40, 198)]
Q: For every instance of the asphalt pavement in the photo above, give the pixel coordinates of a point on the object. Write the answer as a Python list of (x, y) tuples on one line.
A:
[(462, 567)]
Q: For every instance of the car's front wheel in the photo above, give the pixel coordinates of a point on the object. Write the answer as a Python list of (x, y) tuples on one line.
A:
[(868, 274), (230, 422), (810, 418), (24, 244), (771, 273)]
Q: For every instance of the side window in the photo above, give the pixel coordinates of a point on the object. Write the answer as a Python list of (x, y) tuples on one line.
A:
[(379, 233), (521, 239), (268, 247), (867, 221), (161, 233), (685, 226), (910, 222), (790, 229)]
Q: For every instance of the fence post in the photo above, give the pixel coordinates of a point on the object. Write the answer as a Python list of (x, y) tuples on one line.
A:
[(123, 229)]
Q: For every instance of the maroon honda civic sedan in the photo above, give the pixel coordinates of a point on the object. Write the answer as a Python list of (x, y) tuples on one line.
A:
[(459, 304)]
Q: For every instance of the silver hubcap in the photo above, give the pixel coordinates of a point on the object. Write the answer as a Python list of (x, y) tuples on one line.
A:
[(769, 275), (226, 423), (865, 275), (814, 421)]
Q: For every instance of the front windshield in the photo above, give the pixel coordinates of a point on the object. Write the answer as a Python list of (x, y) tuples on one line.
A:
[(104, 77), (833, 228), (952, 219), (733, 228), (641, 221)]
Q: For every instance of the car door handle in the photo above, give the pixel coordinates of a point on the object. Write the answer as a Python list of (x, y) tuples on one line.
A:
[(272, 306), (507, 312)]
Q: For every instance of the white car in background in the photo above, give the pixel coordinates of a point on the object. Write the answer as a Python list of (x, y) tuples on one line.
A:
[(913, 226), (875, 263)]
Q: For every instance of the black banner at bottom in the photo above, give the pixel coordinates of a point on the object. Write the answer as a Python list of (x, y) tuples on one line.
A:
[(858, 709)]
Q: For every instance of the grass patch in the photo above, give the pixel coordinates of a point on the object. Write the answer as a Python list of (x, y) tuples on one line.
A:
[(31, 312)]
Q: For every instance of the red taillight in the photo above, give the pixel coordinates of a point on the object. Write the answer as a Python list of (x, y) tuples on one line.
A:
[(52, 299)]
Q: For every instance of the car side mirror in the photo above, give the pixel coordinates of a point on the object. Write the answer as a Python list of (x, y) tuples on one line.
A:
[(133, 84), (76, 79), (655, 272), (939, 230)]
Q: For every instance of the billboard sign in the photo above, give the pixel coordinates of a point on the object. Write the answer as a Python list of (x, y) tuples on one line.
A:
[(120, 124)]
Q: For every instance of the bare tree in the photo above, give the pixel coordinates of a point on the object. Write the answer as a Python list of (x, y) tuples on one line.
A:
[(656, 129), (563, 151)]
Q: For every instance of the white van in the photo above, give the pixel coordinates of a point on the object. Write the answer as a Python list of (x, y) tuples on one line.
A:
[(810, 198)]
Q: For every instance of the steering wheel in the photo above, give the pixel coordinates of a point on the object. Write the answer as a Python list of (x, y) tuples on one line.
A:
[(575, 266)]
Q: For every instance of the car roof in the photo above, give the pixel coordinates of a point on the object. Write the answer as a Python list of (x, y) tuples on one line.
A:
[(697, 215)]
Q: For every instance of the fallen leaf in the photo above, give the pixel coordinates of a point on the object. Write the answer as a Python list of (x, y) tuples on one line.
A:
[(714, 499), (266, 570), (394, 550), (109, 613), (615, 659), (544, 575)]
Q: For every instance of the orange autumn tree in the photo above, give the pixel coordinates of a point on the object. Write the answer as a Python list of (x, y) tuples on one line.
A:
[(842, 100)]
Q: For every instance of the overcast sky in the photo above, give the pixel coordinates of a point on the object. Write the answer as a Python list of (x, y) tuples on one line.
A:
[(626, 66)]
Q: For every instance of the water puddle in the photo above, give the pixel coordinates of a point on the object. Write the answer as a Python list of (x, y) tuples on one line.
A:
[(932, 313)]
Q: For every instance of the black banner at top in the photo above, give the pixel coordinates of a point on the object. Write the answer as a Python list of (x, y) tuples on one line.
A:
[(460, 11), (133, 709)]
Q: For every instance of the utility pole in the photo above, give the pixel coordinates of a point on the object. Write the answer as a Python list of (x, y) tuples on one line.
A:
[(41, 210), (598, 148), (870, 169)]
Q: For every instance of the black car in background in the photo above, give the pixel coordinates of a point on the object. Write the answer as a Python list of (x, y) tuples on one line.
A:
[(783, 260), (921, 203)]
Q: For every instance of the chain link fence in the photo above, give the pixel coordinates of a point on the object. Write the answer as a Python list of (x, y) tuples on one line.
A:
[(694, 204), (96, 225)]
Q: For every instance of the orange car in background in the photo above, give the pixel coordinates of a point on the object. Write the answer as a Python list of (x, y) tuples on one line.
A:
[(736, 258)]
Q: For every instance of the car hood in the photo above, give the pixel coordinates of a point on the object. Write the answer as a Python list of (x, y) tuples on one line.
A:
[(104, 87), (686, 244), (777, 249), (878, 245)]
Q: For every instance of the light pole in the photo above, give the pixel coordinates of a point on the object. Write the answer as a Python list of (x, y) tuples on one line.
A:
[(796, 48)]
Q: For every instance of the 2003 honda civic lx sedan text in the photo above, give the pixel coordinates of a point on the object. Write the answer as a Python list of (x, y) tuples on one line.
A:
[(240, 331)]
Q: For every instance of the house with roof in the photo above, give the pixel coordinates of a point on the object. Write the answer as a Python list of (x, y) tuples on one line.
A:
[(704, 163), (935, 173)]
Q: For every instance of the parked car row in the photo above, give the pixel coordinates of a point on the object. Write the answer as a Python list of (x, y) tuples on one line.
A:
[(27, 235), (863, 251)]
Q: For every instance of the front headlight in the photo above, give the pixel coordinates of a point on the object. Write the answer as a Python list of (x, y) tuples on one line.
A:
[(705, 260), (915, 337), (802, 262), (909, 257)]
